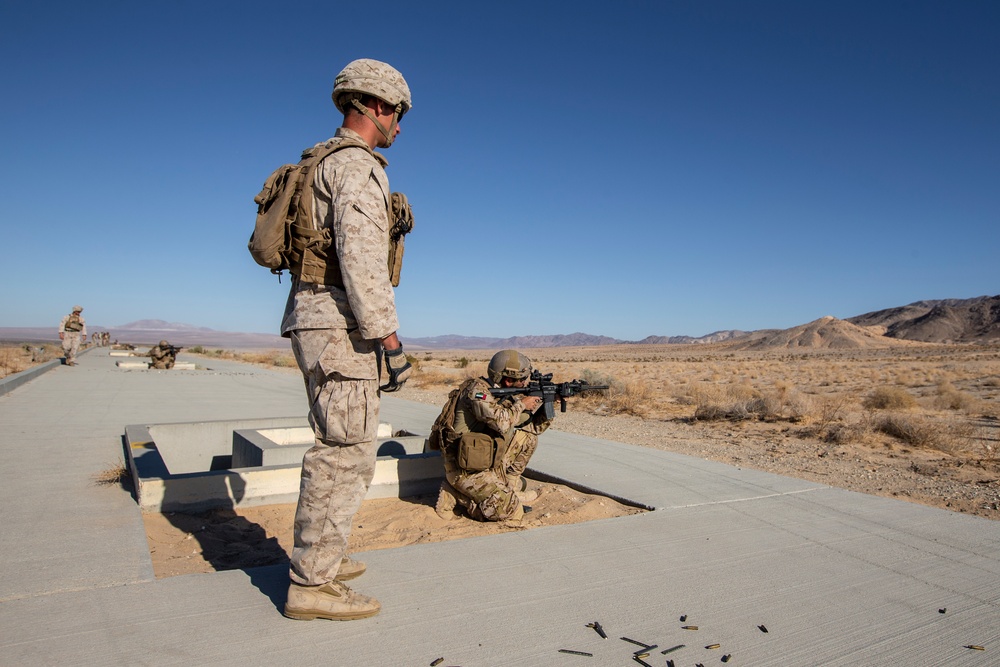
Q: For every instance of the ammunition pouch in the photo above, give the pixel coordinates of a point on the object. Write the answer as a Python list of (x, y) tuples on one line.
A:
[(73, 324), (313, 258), (476, 451), (401, 216)]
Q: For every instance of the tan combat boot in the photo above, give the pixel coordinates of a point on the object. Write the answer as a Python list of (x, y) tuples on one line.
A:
[(447, 502), (520, 486), (350, 568), (333, 601)]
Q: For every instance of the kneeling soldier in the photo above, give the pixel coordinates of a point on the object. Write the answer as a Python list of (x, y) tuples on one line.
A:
[(486, 442)]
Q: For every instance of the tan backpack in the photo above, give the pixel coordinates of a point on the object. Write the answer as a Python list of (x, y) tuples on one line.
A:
[(286, 237)]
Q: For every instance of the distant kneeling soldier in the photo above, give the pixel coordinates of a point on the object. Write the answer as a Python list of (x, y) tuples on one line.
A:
[(72, 332), (486, 443), (163, 356)]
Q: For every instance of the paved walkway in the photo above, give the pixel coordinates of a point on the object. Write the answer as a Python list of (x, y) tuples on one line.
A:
[(836, 578)]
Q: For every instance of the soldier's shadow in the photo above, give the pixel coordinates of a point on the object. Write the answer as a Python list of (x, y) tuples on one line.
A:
[(226, 540)]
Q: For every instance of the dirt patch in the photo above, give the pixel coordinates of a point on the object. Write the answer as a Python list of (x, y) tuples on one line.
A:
[(233, 539)]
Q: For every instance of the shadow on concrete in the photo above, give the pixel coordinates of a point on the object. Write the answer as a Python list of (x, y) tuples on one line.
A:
[(228, 541), (272, 581)]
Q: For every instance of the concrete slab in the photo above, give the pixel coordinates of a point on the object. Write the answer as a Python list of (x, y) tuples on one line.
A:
[(838, 578)]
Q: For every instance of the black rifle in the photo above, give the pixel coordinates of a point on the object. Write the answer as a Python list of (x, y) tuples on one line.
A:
[(543, 387), (174, 349)]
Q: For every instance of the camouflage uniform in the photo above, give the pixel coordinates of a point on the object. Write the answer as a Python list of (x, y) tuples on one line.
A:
[(335, 334), (491, 494), (72, 328), (163, 357)]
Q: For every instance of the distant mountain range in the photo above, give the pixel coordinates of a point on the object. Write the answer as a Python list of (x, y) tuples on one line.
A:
[(974, 320)]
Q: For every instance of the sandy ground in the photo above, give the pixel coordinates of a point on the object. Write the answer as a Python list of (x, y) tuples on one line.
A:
[(227, 539)]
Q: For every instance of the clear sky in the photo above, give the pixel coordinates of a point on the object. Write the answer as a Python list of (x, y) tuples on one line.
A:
[(617, 168)]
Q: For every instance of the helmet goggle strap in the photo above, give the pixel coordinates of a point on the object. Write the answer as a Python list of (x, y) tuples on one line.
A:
[(397, 113)]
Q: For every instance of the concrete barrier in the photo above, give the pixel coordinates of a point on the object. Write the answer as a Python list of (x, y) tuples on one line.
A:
[(190, 467)]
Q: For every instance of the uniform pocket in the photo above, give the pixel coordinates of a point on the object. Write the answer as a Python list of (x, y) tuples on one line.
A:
[(476, 451), (347, 411)]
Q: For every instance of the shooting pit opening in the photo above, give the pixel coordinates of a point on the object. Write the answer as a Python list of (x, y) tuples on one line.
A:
[(221, 494)]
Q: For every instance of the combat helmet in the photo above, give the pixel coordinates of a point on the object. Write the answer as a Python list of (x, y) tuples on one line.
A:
[(164, 343), (508, 364), (378, 79)]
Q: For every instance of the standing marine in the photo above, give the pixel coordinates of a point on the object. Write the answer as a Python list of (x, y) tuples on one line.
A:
[(72, 332), (341, 319)]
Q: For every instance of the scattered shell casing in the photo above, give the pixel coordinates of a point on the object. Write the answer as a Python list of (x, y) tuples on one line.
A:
[(632, 641), (976, 647), (670, 663), (762, 628), (684, 617), (726, 657), (689, 627), (437, 662), (714, 646)]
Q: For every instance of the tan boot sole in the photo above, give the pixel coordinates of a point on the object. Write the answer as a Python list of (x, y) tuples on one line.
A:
[(310, 615)]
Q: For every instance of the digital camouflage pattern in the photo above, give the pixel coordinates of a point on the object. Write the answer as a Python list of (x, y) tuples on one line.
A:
[(335, 334), (72, 330), (491, 494)]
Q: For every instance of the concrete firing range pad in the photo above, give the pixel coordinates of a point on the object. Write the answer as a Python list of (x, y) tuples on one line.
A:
[(839, 578)]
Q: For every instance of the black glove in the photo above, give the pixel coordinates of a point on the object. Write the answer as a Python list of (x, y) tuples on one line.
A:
[(397, 368)]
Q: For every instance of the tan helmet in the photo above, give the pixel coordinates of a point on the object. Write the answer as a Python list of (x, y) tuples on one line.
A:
[(509, 364), (77, 309), (372, 77), (164, 343)]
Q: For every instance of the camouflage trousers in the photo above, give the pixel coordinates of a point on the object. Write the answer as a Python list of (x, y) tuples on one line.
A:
[(491, 495), (71, 345), (338, 469)]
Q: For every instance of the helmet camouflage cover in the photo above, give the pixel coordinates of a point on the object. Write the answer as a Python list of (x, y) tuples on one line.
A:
[(375, 78), (164, 343), (509, 364)]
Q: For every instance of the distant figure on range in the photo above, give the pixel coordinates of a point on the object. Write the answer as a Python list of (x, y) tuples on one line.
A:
[(486, 442), (72, 332), (163, 355)]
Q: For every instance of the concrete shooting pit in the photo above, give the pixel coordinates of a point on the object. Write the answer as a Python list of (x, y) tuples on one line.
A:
[(197, 466)]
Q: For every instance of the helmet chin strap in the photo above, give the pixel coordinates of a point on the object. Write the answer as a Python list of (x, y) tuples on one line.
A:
[(390, 134)]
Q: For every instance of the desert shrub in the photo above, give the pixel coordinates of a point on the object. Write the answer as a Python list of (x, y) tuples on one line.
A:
[(950, 398), (918, 432), (197, 349), (625, 398), (425, 379), (889, 398), (741, 402), (462, 363)]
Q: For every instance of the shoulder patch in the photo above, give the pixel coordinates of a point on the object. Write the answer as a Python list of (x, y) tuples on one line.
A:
[(480, 395)]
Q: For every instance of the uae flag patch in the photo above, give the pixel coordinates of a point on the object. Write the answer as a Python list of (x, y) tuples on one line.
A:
[(480, 396)]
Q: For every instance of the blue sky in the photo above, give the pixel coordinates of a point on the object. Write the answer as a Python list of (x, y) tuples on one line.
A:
[(623, 169)]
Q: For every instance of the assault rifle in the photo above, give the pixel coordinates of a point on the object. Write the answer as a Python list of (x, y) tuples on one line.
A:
[(543, 387), (174, 349)]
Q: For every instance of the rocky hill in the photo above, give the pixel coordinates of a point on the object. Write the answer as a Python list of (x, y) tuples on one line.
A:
[(942, 321), (822, 334)]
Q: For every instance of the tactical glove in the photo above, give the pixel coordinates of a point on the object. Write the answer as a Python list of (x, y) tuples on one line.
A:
[(397, 368)]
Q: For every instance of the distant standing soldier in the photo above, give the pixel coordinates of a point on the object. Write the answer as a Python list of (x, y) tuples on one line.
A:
[(486, 442), (163, 356), (72, 332), (341, 317)]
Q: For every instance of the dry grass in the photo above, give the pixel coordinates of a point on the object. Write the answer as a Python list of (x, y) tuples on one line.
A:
[(115, 474), (17, 357)]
